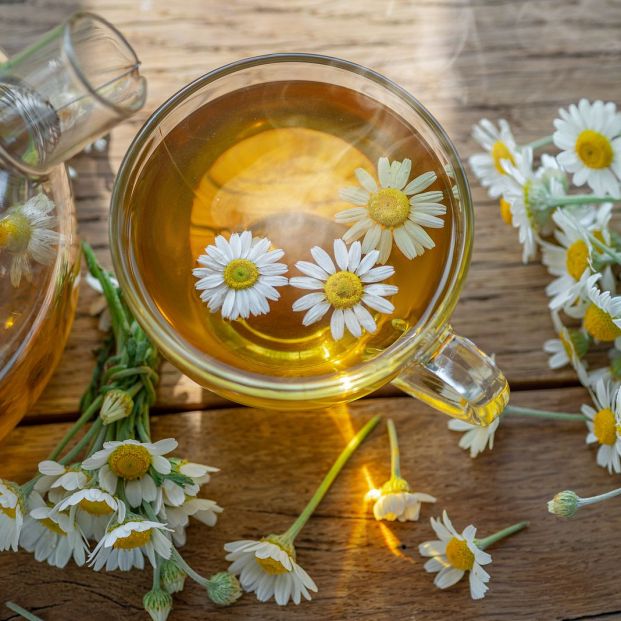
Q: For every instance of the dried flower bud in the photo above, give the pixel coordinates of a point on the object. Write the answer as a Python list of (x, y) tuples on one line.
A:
[(223, 589), (172, 577), (564, 504), (116, 406), (158, 604)]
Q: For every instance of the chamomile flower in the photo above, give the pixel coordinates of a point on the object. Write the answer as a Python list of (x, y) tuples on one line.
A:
[(347, 290), (131, 460), (125, 545), (27, 234), (589, 136), (268, 568), (528, 195), (454, 554), (602, 317), (476, 438), (500, 147), (53, 537), (94, 509), (175, 494), (12, 513), (569, 348), (604, 424), (67, 478), (394, 209), (240, 275), (394, 500), (178, 517)]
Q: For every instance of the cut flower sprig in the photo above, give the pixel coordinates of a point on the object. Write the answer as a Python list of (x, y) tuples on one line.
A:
[(268, 567), (109, 483), (394, 500), (453, 554), (567, 503)]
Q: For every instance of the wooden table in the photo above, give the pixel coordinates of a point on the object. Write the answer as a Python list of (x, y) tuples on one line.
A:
[(464, 60)]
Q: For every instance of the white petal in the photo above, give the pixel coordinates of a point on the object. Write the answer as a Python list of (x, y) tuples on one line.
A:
[(337, 324), (322, 258), (340, 253)]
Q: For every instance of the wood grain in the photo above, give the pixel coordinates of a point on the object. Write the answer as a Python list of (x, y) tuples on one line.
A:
[(463, 60), (270, 463)]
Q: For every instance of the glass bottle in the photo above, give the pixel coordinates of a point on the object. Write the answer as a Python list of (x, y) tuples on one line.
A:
[(70, 87)]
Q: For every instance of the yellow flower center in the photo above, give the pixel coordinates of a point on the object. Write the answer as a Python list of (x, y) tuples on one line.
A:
[(15, 232), (459, 555), (240, 274), (130, 461), (389, 207), (505, 212), (270, 565), (53, 526), (95, 507), (136, 539), (599, 324), (10, 511), (500, 151), (605, 426), (577, 259), (343, 289), (594, 149)]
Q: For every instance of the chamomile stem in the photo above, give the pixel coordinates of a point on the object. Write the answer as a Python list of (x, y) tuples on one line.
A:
[(581, 199), (600, 497), (324, 486), (187, 569), (514, 409), (501, 534), (88, 414), (22, 612), (605, 249), (395, 461), (157, 572), (542, 142), (77, 449)]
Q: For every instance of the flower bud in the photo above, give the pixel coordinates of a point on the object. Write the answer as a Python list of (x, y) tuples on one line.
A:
[(223, 588), (117, 405), (172, 577), (158, 604), (564, 504)]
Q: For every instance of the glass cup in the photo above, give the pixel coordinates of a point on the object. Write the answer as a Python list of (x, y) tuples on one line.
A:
[(429, 361)]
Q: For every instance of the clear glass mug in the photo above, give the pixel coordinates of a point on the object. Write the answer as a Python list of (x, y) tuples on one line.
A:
[(429, 361)]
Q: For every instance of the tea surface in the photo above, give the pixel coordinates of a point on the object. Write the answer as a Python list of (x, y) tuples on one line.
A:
[(271, 159)]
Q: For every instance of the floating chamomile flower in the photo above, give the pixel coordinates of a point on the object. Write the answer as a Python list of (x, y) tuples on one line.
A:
[(125, 545), (53, 537), (94, 509), (589, 137), (131, 461), (347, 290), (12, 513), (240, 275), (499, 146), (26, 233), (604, 424), (268, 568), (475, 437), (602, 317), (394, 209)]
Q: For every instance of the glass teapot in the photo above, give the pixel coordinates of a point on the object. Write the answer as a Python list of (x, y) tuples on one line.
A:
[(72, 86)]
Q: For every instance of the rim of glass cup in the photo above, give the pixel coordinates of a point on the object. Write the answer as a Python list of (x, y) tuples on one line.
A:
[(220, 376)]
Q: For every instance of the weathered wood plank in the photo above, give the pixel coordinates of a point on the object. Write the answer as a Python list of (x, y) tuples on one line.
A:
[(271, 462)]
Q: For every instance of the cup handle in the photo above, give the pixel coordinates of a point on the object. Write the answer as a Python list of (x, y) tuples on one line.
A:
[(457, 378)]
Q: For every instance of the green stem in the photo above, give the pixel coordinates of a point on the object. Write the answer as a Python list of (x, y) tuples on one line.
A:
[(324, 486), (514, 409), (542, 142), (79, 447), (604, 248), (593, 499), (581, 199), (501, 534), (181, 562), (395, 461), (22, 612), (88, 414), (157, 572)]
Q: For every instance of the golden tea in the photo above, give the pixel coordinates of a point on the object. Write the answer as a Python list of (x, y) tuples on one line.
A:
[(273, 159)]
